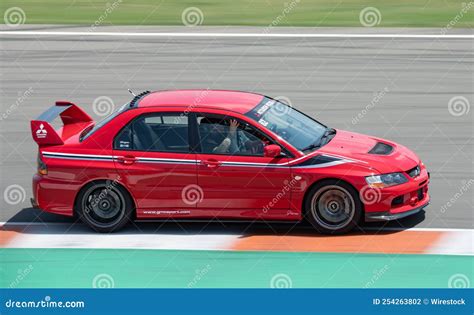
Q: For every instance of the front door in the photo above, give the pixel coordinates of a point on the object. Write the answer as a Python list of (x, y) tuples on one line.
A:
[(236, 179)]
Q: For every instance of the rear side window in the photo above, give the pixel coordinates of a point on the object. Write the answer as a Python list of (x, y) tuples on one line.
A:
[(163, 132)]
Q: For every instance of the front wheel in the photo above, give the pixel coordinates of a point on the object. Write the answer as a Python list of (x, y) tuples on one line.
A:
[(104, 206), (333, 207)]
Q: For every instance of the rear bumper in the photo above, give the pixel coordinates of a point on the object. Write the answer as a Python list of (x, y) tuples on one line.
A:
[(387, 216), (53, 196)]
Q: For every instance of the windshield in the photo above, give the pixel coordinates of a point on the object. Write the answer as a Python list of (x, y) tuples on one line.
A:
[(299, 130), (101, 123)]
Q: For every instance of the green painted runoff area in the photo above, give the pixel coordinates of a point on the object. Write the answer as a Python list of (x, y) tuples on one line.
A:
[(123, 268)]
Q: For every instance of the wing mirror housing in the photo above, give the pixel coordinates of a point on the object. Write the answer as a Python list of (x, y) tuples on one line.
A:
[(272, 151)]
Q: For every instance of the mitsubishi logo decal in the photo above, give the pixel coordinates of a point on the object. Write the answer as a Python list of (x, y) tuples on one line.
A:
[(41, 133)]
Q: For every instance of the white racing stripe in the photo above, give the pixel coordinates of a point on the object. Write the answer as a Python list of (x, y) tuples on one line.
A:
[(75, 156), (234, 35)]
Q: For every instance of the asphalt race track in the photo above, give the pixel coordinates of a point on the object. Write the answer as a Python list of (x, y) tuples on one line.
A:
[(395, 88)]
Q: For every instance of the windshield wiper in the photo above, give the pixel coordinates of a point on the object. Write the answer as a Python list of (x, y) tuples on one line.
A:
[(311, 147), (320, 143)]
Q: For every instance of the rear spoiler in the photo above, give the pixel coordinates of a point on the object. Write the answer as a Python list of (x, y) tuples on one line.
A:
[(42, 131)]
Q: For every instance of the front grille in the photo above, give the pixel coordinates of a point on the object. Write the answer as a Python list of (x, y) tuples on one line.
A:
[(414, 172)]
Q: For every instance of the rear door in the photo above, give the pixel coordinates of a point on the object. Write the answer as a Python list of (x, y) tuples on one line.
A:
[(153, 157)]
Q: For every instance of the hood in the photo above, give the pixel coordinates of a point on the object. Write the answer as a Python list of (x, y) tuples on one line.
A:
[(382, 155)]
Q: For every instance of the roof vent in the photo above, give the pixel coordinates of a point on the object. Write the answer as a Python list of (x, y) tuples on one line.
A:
[(135, 100)]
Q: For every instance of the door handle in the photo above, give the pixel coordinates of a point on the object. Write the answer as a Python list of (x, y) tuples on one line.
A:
[(211, 163), (127, 160)]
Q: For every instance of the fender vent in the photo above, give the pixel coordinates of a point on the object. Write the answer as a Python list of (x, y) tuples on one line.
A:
[(381, 149)]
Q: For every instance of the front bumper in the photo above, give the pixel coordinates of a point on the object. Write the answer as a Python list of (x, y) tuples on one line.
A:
[(387, 216)]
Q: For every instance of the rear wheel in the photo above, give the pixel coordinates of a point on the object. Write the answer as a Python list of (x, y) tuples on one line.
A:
[(333, 207), (104, 206)]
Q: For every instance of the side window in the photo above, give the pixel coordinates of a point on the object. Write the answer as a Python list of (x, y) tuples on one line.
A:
[(221, 134), (163, 132)]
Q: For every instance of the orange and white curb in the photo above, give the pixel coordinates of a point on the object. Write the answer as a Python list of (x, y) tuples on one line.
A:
[(387, 241)]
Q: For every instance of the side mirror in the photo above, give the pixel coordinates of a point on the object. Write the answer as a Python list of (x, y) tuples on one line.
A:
[(271, 150)]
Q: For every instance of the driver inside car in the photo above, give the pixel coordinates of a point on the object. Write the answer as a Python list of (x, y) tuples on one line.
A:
[(219, 137), (225, 136)]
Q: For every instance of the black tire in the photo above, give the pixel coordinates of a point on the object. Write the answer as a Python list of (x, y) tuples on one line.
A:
[(333, 207), (104, 206)]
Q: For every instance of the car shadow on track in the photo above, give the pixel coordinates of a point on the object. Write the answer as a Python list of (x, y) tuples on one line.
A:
[(43, 222)]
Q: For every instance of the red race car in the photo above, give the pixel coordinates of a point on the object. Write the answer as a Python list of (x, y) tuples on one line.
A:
[(227, 155)]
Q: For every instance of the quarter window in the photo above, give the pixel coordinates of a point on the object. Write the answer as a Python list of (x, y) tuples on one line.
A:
[(163, 132)]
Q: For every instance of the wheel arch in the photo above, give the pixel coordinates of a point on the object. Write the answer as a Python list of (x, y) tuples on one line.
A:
[(99, 180), (310, 187)]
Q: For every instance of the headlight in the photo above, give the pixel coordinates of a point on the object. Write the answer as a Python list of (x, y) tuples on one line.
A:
[(386, 180)]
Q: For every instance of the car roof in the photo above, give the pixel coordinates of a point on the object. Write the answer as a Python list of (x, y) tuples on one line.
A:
[(236, 101)]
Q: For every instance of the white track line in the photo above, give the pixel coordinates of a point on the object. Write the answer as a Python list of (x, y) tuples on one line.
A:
[(230, 35)]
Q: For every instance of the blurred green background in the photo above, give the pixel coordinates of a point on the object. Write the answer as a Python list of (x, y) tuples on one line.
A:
[(393, 13)]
